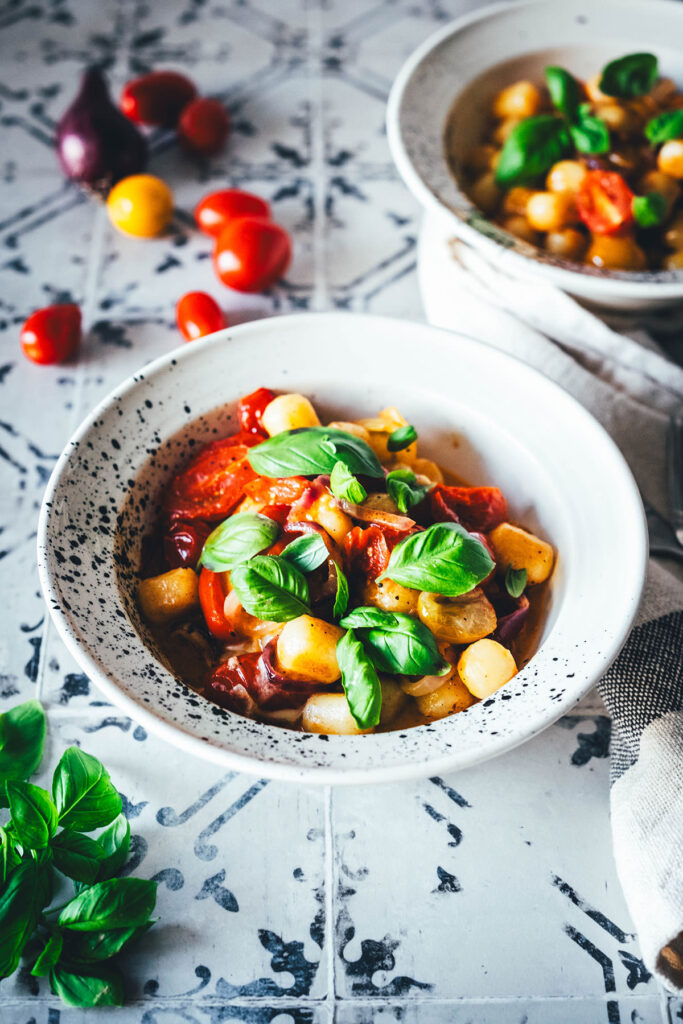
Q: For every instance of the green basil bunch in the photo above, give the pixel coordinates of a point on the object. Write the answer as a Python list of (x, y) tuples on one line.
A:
[(46, 832)]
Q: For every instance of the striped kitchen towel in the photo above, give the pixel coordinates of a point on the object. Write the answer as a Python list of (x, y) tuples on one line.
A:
[(631, 387)]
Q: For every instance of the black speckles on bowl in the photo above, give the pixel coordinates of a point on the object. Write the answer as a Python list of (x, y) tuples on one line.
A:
[(103, 497)]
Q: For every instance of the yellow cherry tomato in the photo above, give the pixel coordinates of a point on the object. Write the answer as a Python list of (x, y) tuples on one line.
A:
[(140, 205)]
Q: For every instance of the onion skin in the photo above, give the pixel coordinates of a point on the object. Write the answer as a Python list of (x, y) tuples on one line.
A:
[(96, 144)]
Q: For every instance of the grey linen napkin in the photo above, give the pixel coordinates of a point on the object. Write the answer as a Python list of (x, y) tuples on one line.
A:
[(631, 388)]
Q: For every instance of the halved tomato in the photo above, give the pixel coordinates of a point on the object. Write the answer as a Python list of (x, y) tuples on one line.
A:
[(214, 481), (250, 410), (604, 202), (367, 550), (212, 601), (277, 491), (477, 508)]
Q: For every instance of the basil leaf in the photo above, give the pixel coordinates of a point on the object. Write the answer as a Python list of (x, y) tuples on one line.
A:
[(78, 987), (341, 599), (83, 792), (360, 682), (115, 843), (28, 890), (649, 211), (49, 956), (270, 588), (9, 858), (398, 644), (565, 91), (589, 133), (310, 451), (34, 816), (531, 148), (403, 488), (443, 559), (667, 125), (238, 539), (77, 856), (94, 946), (306, 553), (23, 738), (401, 438), (515, 581), (115, 903), (345, 486), (629, 76)]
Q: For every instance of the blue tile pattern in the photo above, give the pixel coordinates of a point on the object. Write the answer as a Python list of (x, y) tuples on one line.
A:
[(490, 896)]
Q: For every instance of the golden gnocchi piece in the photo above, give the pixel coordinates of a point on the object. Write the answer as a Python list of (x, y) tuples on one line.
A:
[(459, 620), (168, 596), (516, 548), (329, 713), (307, 649), (485, 666), (448, 699), (289, 412), (390, 596)]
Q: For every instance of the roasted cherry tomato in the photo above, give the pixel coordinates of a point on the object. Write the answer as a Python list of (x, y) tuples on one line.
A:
[(183, 543), (477, 508), (280, 491), (140, 205), (250, 410), (604, 202), (251, 254), (212, 600), (218, 209), (214, 481), (157, 98), (367, 550), (204, 127), (51, 334), (198, 314)]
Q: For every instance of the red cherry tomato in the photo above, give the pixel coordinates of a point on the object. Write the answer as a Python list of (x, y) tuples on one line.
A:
[(604, 202), (277, 491), (51, 334), (250, 409), (157, 98), (204, 127), (197, 314), (477, 508), (184, 542), (214, 481), (212, 600), (217, 209), (251, 254)]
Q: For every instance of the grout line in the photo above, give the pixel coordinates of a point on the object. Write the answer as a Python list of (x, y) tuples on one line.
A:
[(320, 298), (330, 923)]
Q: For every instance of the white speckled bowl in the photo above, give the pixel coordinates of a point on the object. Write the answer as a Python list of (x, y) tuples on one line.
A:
[(454, 76), (562, 475)]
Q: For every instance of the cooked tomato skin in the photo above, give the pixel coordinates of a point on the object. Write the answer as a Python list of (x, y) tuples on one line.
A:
[(250, 410), (198, 314), (212, 484), (52, 334), (218, 209), (183, 543), (251, 254), (604, 202), (367, 550), (477, 508), (277, 491), (212, 601)]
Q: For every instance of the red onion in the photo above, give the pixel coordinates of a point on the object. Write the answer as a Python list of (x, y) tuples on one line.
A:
[(510, 625), (247, 683), (96, 144), (374, 515)]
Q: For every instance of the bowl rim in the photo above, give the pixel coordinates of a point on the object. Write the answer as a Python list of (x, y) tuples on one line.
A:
[(181, 736), (521, 257)]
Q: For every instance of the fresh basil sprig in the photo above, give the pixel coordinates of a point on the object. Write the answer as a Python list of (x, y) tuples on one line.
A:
[(649, 211), (306, 553), (515, 581), (629, 76), (360, 681), (589, 133), (665, 126), (531, 149), (345, 486), (238, 539), (107, 914), (443, 559), (398, 644), (341, 599), (565, 91), (401, 438), (404, 490), (271, 588), (311, 451)]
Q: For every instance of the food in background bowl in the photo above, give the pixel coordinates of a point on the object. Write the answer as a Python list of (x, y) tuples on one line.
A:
[(589, 171), (343, 586)]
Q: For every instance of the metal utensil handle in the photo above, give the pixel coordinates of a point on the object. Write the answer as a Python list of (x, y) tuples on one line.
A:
[(674, 458)]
